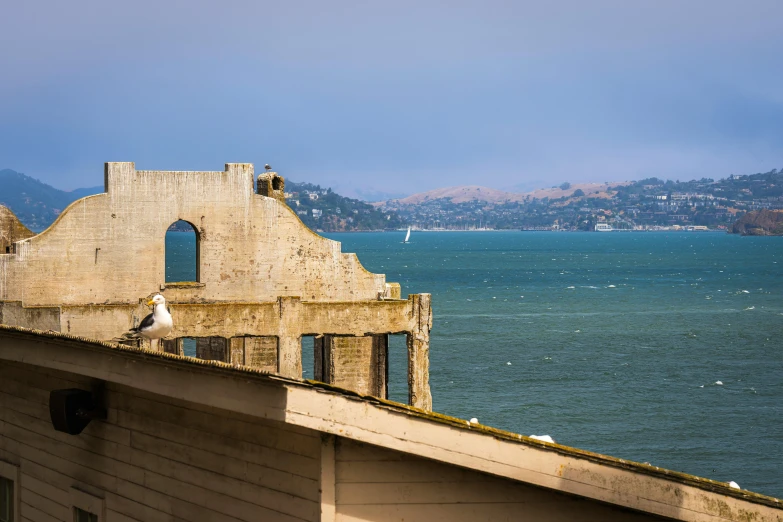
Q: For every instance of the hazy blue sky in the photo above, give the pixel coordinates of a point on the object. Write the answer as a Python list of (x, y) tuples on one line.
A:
[(394, 96)]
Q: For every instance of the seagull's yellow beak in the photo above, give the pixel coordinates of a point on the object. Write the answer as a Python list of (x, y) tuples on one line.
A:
[(150, 302)]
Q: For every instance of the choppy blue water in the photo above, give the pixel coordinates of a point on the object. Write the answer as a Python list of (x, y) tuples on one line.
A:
[(617, 342)]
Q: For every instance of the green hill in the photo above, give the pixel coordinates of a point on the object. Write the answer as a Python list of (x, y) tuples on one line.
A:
[(36, 204), (325, 210)]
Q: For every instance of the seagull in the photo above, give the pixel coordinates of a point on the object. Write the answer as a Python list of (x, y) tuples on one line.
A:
[(156, 325), (545, 438), (267, 167)]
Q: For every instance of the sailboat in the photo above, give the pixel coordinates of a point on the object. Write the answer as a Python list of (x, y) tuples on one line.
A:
[(407, 236)]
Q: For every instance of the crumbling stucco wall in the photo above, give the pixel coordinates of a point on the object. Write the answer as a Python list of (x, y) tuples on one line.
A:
[(111, 247), (11, 230)]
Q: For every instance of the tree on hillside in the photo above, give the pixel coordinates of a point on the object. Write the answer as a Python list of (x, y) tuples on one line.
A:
[(565, 186), (578, 193)]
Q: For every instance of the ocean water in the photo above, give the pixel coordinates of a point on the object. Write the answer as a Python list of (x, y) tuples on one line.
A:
[(654, 347)]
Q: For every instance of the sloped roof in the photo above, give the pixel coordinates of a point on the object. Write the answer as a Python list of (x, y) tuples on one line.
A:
[(333, 410)]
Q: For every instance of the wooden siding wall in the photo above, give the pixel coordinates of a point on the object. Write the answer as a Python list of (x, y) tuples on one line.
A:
[(154, 459), (376, 484)]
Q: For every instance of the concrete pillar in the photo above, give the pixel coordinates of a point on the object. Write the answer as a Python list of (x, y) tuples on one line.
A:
[(419, 394), (236, 349), (319, 360), (212, 349), (354, 363), (289, 357), (289, 339), (380, 361)]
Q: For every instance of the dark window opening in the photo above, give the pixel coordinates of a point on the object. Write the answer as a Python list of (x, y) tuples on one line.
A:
[(277, 183), (80, 515), (6, 500), (183, 253)]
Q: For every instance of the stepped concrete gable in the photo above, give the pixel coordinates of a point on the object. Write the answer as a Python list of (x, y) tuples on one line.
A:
[(11, 230), (111, 247), (264, 280)]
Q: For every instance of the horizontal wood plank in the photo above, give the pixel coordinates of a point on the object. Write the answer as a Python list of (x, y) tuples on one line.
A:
[(172, 497), (226, 485), (441, 493), (214, 411), (33, 514), (116, 516), (264, 456), (408, 471), (44, 488), (486, 512), (347, 450), (257, 433), (46, 505)]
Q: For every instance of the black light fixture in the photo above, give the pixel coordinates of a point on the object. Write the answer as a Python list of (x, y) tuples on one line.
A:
[(72, 410)]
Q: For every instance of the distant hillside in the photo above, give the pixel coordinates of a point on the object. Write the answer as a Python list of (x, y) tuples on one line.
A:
[(645, 204), (458, 195), (36, 204), (471, 193), (760, 223), (322, 209), (649, 204)]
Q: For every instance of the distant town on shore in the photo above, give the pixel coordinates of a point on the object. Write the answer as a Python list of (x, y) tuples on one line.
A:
[(648, 204)]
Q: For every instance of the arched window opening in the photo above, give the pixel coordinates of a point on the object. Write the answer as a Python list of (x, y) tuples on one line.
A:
[(183, 258)]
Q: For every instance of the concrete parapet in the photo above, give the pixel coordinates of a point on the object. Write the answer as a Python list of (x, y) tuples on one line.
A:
[(419, 393)]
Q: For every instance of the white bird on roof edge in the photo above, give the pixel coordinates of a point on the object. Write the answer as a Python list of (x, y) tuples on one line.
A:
[(267, 167), (156, 325)]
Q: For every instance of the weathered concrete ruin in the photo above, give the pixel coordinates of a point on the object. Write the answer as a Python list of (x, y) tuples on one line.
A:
[(263, 279)]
